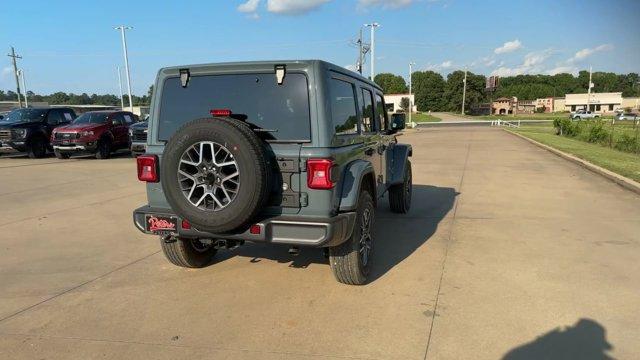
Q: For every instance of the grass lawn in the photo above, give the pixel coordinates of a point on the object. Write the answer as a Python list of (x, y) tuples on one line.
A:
[(423, 117), (625, 164)]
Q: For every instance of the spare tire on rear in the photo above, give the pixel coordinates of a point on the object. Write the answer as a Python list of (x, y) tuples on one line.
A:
[(214, 174)]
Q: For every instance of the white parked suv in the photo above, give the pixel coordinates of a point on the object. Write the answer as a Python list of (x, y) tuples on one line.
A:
[(583, 114)]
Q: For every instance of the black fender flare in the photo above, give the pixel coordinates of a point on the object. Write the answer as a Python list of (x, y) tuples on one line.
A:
[(396, 167), (352, 182)]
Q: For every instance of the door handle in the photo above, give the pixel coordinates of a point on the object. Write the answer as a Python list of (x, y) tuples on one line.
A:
[(368, 152)]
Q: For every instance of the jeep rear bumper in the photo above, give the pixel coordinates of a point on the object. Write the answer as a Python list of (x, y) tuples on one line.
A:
[(309, 231)]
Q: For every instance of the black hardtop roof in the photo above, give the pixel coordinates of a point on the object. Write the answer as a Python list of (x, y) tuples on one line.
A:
[(240, 65)]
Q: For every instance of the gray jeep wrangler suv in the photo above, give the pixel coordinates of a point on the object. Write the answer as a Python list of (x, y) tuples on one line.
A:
[(286, 152)]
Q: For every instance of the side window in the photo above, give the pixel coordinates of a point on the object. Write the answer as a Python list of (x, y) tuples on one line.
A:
[(54, 117), (117, 119), (343, 108), (367, 111), (67, 115), (381, 113), (128, 119)]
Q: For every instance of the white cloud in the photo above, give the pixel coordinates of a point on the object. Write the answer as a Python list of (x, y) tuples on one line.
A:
[(585, 53), (249, 7), (393, 4), (6, 71), (563, 69), (508, 47), (448, 64), (532, 63), (293, 7), (350, 67)]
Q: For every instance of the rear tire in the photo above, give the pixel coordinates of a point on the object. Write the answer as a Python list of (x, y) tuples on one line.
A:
[(349, 263), (187, 253), (60, 155), (37, 148), (400, 194), (104, 149)]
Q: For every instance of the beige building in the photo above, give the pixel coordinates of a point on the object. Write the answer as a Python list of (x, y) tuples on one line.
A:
[(632, 103), (598, 102), (511, 105), (503, 105), (393, 102), (559, 104), (545, 103)]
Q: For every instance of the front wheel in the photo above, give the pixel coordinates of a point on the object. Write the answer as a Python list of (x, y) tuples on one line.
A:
[(190, 253), (104, 149), (37, 148), (400, 194), (60, 155), (351, 260)]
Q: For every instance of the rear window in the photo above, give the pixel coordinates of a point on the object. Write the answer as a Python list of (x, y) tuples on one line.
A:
[(266, 105)]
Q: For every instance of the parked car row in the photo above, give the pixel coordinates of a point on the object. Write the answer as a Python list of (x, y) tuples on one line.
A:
[(38, 131)]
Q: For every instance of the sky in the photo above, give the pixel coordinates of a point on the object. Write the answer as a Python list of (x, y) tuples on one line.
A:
[(71, 46)]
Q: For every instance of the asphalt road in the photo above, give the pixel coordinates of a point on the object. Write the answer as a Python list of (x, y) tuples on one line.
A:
[(508, 251)]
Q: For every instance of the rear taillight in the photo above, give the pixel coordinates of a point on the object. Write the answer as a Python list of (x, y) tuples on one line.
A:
[(319, 174), (147, 168), (220, 112)]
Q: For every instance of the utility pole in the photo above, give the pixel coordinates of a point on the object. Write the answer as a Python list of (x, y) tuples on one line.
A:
[(464, 89), (24, 88), (120, 87), (411, 63), (589, 89), (373, 27), (13, 57), (122, 29), (360, 54)]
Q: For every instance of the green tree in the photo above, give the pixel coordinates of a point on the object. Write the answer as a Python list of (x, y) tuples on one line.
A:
[(390, 83), (453, 90), (428, 88), (405, 104)]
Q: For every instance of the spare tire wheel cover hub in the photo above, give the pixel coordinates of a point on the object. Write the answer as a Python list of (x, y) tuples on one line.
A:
[(209, 176)]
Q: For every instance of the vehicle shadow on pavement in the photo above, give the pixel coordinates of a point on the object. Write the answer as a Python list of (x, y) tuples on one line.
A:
[(585, 340), (397, 236)]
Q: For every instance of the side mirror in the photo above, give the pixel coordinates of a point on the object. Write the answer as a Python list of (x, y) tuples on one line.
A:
[(398, 122)]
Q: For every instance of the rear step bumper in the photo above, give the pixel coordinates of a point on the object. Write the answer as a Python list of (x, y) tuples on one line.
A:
[(299, 230)]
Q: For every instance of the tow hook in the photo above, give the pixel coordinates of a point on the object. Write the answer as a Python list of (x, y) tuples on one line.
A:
[(294, 251), (228, 244)]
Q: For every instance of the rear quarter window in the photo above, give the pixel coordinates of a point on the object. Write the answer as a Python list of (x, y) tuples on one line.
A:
[(344, 115), (281, 109)]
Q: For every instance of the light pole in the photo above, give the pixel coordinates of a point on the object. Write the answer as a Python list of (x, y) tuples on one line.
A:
[(589, 89), (373, 27), (411, 63), (120, 87), (24, 87), (464, 89), (122, 29)]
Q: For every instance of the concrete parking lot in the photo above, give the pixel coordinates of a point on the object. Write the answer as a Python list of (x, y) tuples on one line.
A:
[(508, 251)]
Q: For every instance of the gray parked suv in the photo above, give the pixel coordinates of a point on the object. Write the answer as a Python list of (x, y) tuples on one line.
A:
[(287, 152)]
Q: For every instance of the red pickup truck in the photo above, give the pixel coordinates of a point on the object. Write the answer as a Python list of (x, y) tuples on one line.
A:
[(97, 132)]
